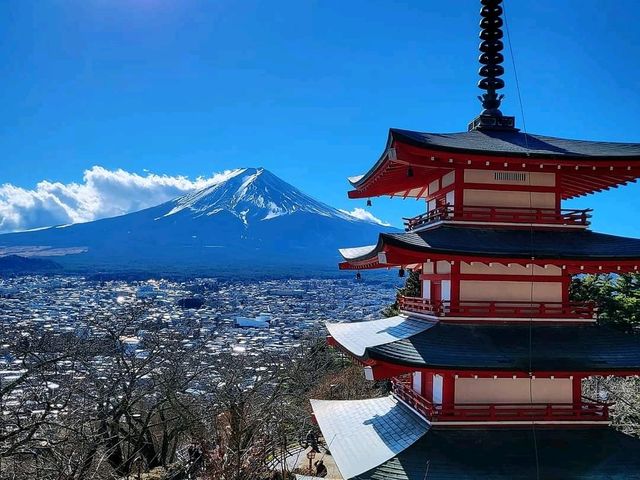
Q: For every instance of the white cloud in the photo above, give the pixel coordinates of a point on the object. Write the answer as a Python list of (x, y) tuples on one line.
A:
[(102, 193), (362, 214)]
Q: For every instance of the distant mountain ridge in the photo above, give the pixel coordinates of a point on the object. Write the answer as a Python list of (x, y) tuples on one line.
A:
[(17, 263), (249, 218)]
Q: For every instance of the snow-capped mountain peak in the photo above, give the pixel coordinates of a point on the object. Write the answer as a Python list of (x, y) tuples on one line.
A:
[(251, 194)]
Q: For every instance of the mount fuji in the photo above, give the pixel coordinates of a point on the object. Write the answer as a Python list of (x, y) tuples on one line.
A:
[(248, 220)]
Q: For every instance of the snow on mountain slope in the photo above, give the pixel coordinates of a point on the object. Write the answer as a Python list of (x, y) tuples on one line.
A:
[(252, 194)]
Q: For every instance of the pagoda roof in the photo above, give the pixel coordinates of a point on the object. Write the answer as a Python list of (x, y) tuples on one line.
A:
[(517, 143), (588, 165), (356, 337), (382, 439), (514, 347), (509, 453), (464, 241), (364, 434)]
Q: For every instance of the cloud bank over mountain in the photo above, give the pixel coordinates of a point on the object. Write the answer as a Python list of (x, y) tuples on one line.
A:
[(243, 220), (102, 193), (362, 214)]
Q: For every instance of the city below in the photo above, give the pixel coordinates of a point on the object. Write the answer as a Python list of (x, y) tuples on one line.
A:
[(230, 316)]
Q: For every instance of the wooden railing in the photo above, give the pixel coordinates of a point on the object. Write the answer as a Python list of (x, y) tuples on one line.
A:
[(442, 308), (500, 215), (585, 410), (402, 390)]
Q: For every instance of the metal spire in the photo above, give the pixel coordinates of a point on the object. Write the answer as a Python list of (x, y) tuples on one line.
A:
[(490, 57), (491, 60)]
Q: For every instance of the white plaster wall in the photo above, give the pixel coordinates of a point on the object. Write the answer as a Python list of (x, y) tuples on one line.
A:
[(427, 267), (417, 382), (509, 390), (531, 178), (426, 289), (443, 267), (437, 388), (512, 269), (434, 187), (497, 198), (448, 179), (445, 290), (484, 291), (450, 198)]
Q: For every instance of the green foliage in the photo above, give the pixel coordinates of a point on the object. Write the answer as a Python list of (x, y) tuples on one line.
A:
[(411, 289), (617, 297)]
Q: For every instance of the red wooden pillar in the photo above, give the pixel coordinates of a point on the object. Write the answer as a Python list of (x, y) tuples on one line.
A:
[(427, 385), (448, 389), (458, 192), (577, 391), (436, 291), (566, 282), (558, 193), (455, 285)]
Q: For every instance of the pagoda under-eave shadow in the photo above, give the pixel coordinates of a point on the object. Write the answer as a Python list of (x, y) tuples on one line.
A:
[(487, 364)]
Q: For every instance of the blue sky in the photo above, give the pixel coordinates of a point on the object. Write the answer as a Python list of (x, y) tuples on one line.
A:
[(307, 89)]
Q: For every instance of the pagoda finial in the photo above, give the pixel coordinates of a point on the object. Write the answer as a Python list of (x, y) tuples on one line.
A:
[(490, 56), (491, 70)]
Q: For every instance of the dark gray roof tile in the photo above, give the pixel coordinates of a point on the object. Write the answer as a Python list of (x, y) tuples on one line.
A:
[(506, 347), (517, 143), (515, 243), (501, 454)]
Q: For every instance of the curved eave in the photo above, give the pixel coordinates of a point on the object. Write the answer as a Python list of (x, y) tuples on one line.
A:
[(399, 252), (362, 258), (355, 253), (583, 174), (582, 251), (538, 349), (519, 145), (356, 337), (477, 243), (385, 367), (359, 181), (402, 257), (364, 434), (392, 348)]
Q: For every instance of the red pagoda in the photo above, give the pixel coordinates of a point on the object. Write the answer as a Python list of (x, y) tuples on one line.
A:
[(487, 364)]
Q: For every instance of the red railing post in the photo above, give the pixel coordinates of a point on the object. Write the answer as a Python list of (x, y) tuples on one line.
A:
[(582, 310), (497, 412), (507, 214)]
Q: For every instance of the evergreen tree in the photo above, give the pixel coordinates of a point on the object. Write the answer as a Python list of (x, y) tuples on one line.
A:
[(411, 289), (616, 296)]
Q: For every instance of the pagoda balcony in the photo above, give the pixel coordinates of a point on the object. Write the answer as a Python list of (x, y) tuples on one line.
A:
[(586, 410), (539, 310), (542, 216)]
